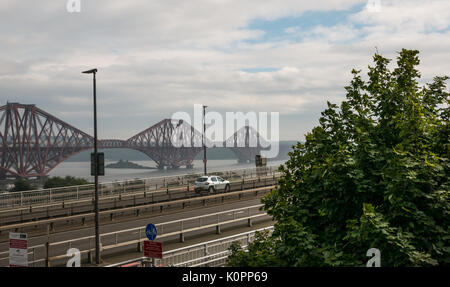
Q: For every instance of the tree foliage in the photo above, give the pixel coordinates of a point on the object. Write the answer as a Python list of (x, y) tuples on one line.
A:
[(373, 174), (57, 181), (21, 184)]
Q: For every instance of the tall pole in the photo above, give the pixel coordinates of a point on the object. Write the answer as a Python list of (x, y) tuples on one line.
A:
[(204, 139), (97, 236)]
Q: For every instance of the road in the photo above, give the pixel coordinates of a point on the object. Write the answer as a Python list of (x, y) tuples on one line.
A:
[(134, 197), (138, 222)]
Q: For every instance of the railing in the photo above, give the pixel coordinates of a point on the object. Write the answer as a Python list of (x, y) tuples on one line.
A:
[(135, 236), (131, 204), (31, 253), (211, 253), (52, 195)]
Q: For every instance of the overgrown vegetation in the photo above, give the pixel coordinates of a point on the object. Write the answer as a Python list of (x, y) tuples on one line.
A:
[(373, 174), (22, 184)]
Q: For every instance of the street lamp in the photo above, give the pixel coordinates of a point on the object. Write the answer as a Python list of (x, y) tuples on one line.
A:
[(204, 138), (97, 236)]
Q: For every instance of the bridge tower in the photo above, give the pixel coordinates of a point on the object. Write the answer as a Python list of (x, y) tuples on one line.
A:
[(33, 142), (170, 143), (245, 144)]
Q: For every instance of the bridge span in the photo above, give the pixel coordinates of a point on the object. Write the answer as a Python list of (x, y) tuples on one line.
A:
[(33, 142)]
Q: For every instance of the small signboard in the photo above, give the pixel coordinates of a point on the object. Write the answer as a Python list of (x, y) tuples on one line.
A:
[(151, 231), (153, 249), (18, 249), (98, 166), (260, 160)]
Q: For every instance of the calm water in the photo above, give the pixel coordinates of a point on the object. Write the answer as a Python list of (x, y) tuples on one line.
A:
[(83, 169)]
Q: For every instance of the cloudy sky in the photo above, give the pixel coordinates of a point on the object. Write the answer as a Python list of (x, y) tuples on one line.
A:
[(159, 57)]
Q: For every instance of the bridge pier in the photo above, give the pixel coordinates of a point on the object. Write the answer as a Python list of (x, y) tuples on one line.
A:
[(189, 166)]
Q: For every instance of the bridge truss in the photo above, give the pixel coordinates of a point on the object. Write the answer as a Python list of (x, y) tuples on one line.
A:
[(33, 142)]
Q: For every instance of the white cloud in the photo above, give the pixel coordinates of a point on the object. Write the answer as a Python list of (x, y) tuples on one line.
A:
[(158, 57), (407, 15), (335, 34)]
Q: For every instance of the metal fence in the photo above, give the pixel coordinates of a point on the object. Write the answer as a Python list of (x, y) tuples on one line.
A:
[(130, 204), (53, 195), (212, 253)]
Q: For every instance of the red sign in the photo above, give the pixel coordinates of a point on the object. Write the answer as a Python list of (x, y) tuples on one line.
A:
[(18, 252), (152, 249)]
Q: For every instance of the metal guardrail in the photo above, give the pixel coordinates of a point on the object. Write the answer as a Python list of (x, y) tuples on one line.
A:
[(53, 195), (211, 253), (135, 236), (135, 209)]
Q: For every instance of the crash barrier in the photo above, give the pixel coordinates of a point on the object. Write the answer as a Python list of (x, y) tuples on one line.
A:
[(56, 251), (206, 254), (55, 195), (135, 210)]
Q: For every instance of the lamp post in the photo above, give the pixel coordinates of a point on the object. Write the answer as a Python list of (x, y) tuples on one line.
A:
[(204, 139), (97, 236)]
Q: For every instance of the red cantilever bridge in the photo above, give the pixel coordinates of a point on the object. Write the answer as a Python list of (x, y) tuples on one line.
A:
[(33, 142)]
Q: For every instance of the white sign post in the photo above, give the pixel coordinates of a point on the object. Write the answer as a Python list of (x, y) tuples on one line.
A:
[(18, 250)]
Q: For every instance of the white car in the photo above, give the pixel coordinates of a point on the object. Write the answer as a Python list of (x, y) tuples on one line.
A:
[(211, 184)]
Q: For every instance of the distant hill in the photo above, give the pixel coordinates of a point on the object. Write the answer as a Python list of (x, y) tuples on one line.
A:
[(133, 155)]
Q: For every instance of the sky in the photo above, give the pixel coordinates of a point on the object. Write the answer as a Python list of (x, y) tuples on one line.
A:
[(156, 58)]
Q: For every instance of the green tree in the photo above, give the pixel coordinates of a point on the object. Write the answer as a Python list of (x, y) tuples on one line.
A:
[(373, 174), (22, 184), (57, 181)]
